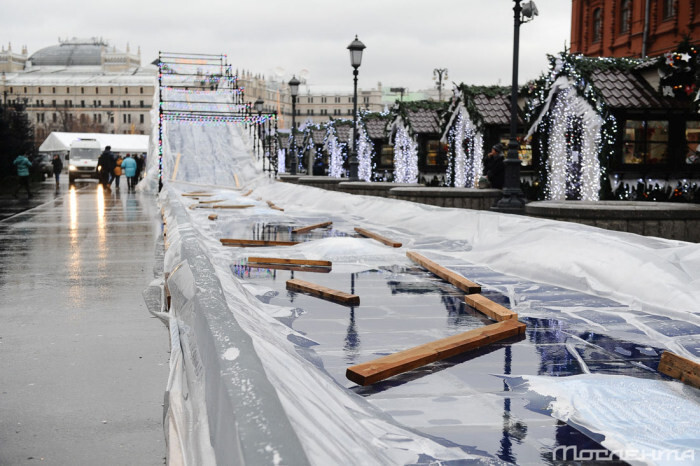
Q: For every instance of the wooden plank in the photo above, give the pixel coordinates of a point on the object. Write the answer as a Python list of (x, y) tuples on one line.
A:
[(378, 237), (211, 201), (279, 260), (197, 194), (254, 242), (322, 292), (456, 279), (404, 361), (248, 193), (680, 368), (489, 308), (312, 227), (241, 206), (295, 268), (212, 217)]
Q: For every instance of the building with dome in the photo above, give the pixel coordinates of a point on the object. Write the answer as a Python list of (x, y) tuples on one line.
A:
[(80, 85)]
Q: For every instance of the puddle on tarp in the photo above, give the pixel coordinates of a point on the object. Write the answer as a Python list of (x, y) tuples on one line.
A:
[(461, 399)]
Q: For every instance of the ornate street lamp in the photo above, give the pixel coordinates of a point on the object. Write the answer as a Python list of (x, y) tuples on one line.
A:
[(438, 75), (294, 91), (513, 199), (356, 47), (259, 108)]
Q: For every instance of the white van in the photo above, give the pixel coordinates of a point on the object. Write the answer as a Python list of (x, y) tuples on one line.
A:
[(82, 162)]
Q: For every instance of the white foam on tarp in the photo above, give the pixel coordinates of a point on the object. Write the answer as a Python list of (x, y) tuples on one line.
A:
[(643, 421)]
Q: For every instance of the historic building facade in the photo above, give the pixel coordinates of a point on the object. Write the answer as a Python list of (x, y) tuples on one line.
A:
[(632, 28), (80, 85)]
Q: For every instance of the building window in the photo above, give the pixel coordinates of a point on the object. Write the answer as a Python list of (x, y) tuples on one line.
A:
[(387, 156), (68, 90), (141, 119), (646, 141), (12, 90), (141, 103), (82, 103), (323, 100), (337, 100), (53, 103), (431, 157), (692, 138), (669, 9), (124, 117), (625, 16), (111, 90), (53, 90), (350, 100), (141, 90), (126, 90), (82, 90), (111, 103), (365, 100), (597, 25), (25, 90), (310, 100), (54, 117), (38, 89), (97, 90)]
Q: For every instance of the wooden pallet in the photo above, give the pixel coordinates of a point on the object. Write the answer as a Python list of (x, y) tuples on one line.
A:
[(456, 279), (312, 227), (489, 308), (378, 237), (254, 242), (680, 368), (387, 366), (322, 292)]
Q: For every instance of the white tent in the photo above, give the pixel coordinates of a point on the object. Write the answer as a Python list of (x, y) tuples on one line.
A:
[(127, 143)]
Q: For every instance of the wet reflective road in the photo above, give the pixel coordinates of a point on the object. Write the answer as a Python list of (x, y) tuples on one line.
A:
[(83, 365)]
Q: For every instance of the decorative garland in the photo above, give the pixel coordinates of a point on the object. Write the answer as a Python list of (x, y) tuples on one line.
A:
[(576, 131), (680, 76), (405, 156), (336, 151)]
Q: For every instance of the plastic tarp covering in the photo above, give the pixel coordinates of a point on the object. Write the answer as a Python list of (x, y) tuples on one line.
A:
[(650, 276)]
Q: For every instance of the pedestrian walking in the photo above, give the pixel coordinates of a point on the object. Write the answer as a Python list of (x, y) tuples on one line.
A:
[(129, 168), (140, 163), (118, 171), (495, 167), (57, 167), (105, 165), (23, 165)]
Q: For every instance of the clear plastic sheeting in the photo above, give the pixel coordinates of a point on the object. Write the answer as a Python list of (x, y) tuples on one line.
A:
[(596, 303), (640, 421)]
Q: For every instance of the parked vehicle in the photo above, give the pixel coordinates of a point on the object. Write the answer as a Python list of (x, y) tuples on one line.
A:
[(82, 161), (42, 164)]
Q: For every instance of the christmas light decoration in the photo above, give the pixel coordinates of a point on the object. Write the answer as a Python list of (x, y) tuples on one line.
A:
[(405, 156), (466, 164), (337, 152), (365, 152)]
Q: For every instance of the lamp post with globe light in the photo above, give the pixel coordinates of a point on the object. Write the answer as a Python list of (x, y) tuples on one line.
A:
[(294, 91), (356, 47)]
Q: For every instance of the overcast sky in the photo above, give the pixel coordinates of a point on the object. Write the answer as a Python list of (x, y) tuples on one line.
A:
[(405, 39)]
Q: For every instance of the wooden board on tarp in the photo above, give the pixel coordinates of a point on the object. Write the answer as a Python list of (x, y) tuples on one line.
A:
[(322, 292), (238, 206), (387, 366), (212, 217), (311, 227), (254, 242), (280, 260), (489, 308), (456, 279), (378, 237), (680, 368)]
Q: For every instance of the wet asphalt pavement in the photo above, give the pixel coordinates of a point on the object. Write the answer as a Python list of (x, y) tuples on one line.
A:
[(83, 365)]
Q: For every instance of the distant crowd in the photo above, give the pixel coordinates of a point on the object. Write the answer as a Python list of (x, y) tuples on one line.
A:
[(112, 166)]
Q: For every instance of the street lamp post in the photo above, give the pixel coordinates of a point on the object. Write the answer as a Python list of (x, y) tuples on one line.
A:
[(294, 91), (438, 75), (259, 108), (356, 47), (513, 200)]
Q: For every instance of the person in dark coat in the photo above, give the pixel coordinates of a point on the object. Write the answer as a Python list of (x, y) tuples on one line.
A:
[(495, 167), (106, 166), (57, 167)]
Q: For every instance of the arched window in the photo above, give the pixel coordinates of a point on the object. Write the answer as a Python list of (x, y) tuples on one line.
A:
[(625, 16), (669, 9), (597, 25)]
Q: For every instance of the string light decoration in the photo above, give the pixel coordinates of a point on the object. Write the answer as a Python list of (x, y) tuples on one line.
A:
[(465, 165), (678, 70), (405, 156), (576, 132), (365, 153), (336, 150)]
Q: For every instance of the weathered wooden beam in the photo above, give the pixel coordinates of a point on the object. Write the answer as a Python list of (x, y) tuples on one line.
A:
[(273, 206), (279, 260), (254, 242), (456, 279), (680, 368), (311, 227), (295, 268), (247, 193), (239, 206), (197, 194), (378, 237), (322, 292), (211, 201), (489, 308), (387, 366)]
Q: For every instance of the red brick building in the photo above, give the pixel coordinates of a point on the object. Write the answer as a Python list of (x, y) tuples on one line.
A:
[(632, 28)]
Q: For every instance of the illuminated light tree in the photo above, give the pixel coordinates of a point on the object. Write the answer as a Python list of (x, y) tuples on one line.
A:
[(405, 156)]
